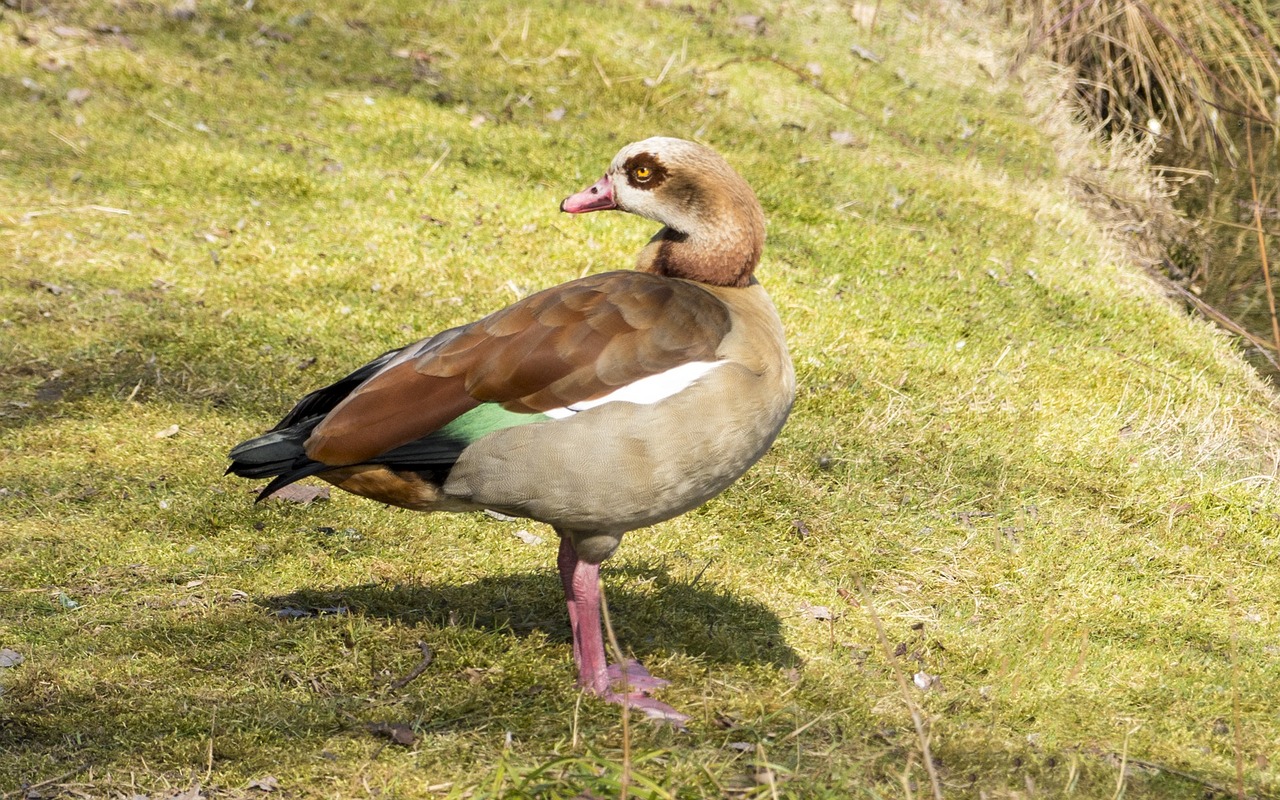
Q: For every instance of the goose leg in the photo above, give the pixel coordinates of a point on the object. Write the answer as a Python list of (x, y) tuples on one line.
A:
[(581, 581)]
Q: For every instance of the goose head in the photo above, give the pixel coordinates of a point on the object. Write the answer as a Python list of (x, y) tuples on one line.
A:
[(713, 226)]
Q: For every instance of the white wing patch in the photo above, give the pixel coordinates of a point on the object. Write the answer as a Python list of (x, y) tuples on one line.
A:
[(647, 390)]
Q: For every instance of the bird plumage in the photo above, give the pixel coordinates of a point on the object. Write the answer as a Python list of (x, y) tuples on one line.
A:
[(598, 406)]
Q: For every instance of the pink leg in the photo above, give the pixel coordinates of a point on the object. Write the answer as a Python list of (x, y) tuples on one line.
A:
[(581, 582)]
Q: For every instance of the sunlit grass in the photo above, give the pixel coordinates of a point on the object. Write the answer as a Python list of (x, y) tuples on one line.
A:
[(1057, 488)]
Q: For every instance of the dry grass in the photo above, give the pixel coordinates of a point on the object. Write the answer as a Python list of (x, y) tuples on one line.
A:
[(1186, 69)]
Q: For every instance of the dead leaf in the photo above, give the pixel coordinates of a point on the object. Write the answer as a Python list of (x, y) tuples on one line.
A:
[(397, 732), (10, 658), (416, 55), (864, 54), (194, 793), (820, 613), (725, 722), (477, 676), (528, 538), (269, 33), (299, 493), (172, 430), (924, 681), (845, 139), (864, 13), (51, 288), (848, 597), (267, 783)]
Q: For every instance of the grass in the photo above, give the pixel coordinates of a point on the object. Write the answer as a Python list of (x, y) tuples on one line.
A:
[(1056, 488), (1195, 83), (1185, 72)]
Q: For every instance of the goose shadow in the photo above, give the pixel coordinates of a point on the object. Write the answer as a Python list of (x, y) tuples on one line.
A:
[(651, 611)]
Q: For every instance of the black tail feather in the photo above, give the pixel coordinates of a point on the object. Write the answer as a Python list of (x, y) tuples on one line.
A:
[(279, 455), (305, 470), (272, 453)]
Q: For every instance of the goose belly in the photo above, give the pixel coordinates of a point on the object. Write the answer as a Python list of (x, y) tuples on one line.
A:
[(622, 465)]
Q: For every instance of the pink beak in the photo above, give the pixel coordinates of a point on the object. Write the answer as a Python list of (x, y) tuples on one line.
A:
[(599, 197)]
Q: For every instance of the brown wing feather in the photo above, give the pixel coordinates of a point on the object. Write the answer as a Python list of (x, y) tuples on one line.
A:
[(392, 408), (571, 343)]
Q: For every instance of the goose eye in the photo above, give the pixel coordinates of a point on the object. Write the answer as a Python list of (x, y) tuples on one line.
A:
[(642, 174)]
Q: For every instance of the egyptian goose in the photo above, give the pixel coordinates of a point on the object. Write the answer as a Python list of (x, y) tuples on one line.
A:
[(599, 406)]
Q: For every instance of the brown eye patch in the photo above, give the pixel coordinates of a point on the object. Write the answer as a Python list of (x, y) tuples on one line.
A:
[(645, 171)]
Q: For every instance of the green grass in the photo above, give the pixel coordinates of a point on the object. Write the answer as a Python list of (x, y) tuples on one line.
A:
[(1057, 488)]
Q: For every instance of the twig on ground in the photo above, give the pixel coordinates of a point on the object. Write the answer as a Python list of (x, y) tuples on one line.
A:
[(916, 717), (1262, 237), (25, 790), (167, 123), (625, 780), (1264, 347), (427, 657), (1124, 764), (701, 572), (77, 149), (1237, 738), (766, 768), (213, 728), (807, 77), (1213, 786)]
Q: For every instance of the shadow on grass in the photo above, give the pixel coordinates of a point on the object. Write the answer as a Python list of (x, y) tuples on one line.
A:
[(260, 672), (651, 612)]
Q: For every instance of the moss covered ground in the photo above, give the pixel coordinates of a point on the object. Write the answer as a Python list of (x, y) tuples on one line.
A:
[(1056, 488)]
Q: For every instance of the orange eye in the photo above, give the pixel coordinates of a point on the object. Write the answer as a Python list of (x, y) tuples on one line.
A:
[(642, 174)]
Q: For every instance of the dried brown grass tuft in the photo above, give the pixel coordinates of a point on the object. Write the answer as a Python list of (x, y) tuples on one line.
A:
[(1164, 66)]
